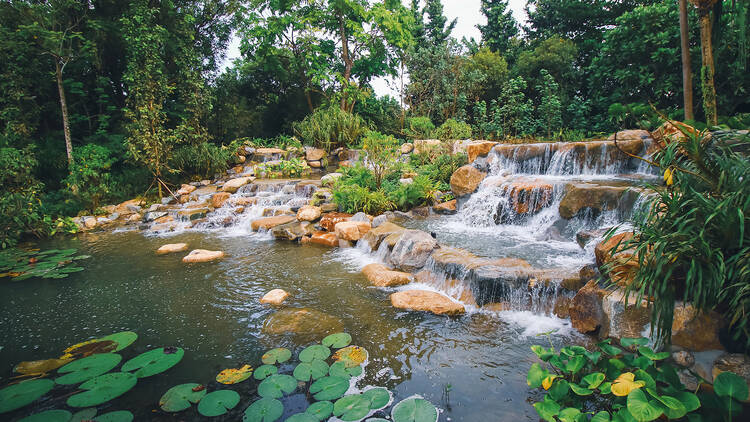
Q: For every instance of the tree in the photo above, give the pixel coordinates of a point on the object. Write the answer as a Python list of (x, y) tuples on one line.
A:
[(512, 112), (687, 73), (708, 68), (492, 70), (380, 152), (501, 26), (549, 110), (437, 31)]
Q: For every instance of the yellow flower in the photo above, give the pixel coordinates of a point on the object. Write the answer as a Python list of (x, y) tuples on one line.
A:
[(668, 176), (625, 383)]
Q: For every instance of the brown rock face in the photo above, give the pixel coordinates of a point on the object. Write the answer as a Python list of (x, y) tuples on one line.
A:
[(586, 313), (696, 331), (466, 180), (325, 239), (219, 198), (476, 149), (171, 248), (423, 300), (301, 321), (314, 154), (624, 264), (271, 222), (530, 197), (382, 276), (329, 221), (445, 208), (185, 189), (274, 297), (292, 231), (308, 213), (733, 362), (524, 152), (352, 230), (376, 235), (586, 195), (202, 255)]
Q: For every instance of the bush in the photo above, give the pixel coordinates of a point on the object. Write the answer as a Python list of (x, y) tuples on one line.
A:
[(330, 127), (439, 168), (353, 198), (407, 196), (452, 130), (202, 160), (294, 167), (20, 192), (90, 181), (420, 127), (381, 152)]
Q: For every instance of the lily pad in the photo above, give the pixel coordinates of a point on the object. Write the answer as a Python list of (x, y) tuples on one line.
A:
[(276, 386), (301, 417), (263, 410), (353, 407), (729, 384), (641, 407), (89, 367), (316, 351), (414, 409), (376, 420), (19, 395), (123, 339), (378, 397), (351, 356), (84, 415), (278, 355), (153, 362), (337, 340), (180, 397), (218, 402), (320, 410), (329, 388), (89, 347), (339, 369), (38, 367), (264, 371), (310, 371), (116, 416), (49, 416), (103, 389), (234, 375)]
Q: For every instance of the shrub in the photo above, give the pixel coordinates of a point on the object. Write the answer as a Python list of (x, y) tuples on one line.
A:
[(419, 127), (202, 160), (90, 180), (452, 130), (439, 168), (407, 196), (352, 198), (20, 192), (294, 167), (330, 127), (381, 152)]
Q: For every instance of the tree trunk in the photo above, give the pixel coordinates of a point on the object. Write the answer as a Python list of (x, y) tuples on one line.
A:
[(64, 110), (707, 69), (687, 73), (347, 61)]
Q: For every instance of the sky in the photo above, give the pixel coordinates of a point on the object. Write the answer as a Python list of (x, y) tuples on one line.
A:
[(468, 15)]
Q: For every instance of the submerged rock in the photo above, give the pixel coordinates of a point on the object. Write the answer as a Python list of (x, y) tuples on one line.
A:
[(382, 276), (412, 249), (202, 255), (268, 223), (301, 321), (424, 300), (172, 248), (274, 297), (466, 180)]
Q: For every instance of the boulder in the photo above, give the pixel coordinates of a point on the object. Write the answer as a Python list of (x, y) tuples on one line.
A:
[(202, 255), (219, 198), (328, 207), (89, 222), (292, 231), (412, 249), (622, 265), (445, 208), (424, 300), (268, 223), (586, 313), (579, 196), (308, 213), (267, 154), (302, 321), (325, 239), (329, 221), (479, 148), (315, 164), (232, 185), (352, 230), (245, 201), (623, 319), (426, 145), (377, 221), (330, 178), (732, 362), (376, 235), (274, 297), (525, 151), (407, 148), (193, 213), (360, 216), (314, 154), (696, 331), (381, 276), (466, 180), (583, 237), (185, 189), (165, 219), (129, 207), (683, 358)]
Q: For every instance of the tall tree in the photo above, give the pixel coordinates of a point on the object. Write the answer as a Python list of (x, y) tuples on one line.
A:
[(687, 72), (708, 68), (501, 26), (437, 29)]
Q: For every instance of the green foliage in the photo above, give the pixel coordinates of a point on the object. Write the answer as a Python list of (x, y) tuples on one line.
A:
[(294, 167), (406, 196), (217, 403), (154, 361), (512, 114), (330, 127), (501, 26), (419, 127), (452, 130), (53, 263), (102, 389), (20, 197), (18, 395), (438, 168), (628, 386), (202, 160), (549, 110), (380, 154), (354, 198), (90, 180)]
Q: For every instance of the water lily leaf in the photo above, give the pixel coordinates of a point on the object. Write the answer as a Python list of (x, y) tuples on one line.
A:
[(547, 409), (351, 408), (329, 388), (234, 375), (276, 386), (116, 416), (263, 410), (310, 371), (593, 380), (729, 384), (351, 356), (379, 397), (49, 416), (123, 339), (316, 351), (320, 410), (376, 420), (84, 415), (641, 407), (103, 389), (181, 397), (218, 402), (581, 391), (19, 395), (647, 352), (278, 355), (38, 367), (339, 369), (689, 400), (601, 417), (301, 417), (625, 384), (89, 347), (636, 341), (569, 414), (337, 340), (264, 371), (87, 368), (414, 409), (153, 362)]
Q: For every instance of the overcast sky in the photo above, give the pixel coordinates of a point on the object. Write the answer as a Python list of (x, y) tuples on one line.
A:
[(468, 15)]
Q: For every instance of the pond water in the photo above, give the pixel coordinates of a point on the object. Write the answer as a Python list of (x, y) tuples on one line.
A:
[(473, 367)]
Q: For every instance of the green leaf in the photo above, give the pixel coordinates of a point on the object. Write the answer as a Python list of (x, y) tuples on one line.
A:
[(559, 389), (180, 397), (316, 351), (103, 389), (263, 410), (593, 380), (86, 368), (278, 355), (329, 388), (339, 369), (378, 397), (116, 416), (593, 356), (542, 352), (636, 341), (641, 375), (123, 339), (729, 384), (641, 408), (647, 352), (581, 391), (84, 415), (49, 416), (264, 371), (337, 340), (569, 414), (535, 376), (575, 364), (353, 407), (547, 409), (689, 400), (19, 395), (312, 370), (276, 386), (610, 350), (351, 356), (320, 410), (673, 408), (301, 417), (218, 402), (154, 361), (606, 388), (414, 409), (601, 417)]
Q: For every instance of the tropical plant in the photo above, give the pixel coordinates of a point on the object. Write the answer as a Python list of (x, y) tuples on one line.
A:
[(294, 167), (612, 383), (419, 127), (380, 154), (438, 168), (452, 130), (202, 160), (90, 180), (406, 196), (330, 127), (20, 197), (353, 198)]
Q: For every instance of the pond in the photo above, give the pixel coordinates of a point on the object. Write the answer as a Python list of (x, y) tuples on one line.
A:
[(472, 367)]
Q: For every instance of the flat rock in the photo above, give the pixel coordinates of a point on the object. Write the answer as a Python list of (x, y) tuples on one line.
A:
[(219, 198), (445, 208), (171, 248), (268, 223), (232, 185), (202, 255), (381, 276), (579, 196), (292, 231), (424, 300), (329, 221), (274, 297)]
